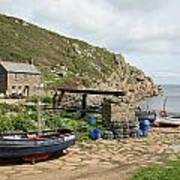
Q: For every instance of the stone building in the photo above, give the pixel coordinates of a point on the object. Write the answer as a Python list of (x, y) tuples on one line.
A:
[(19, 79)]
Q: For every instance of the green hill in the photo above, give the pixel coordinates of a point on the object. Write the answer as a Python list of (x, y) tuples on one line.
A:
[(66, 61)]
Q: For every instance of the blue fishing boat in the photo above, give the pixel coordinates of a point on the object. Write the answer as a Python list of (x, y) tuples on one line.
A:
[(34, 146)]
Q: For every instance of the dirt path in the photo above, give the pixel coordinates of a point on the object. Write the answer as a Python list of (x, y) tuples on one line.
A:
[(102, 160)]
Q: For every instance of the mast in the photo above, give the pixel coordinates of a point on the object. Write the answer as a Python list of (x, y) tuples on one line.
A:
[(164, 104), (39, 89), (39, 116)]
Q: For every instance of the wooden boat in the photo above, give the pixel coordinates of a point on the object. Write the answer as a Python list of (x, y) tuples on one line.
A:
[(165, 119), (33, 146), (168, 121)]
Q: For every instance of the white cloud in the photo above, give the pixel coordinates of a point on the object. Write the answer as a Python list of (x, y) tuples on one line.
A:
[(126, 25), (148, 28)]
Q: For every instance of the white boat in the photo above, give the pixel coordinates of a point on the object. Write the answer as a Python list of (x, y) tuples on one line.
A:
[(165, 119), (170, 121)]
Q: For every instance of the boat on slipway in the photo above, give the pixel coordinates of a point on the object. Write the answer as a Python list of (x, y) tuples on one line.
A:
[(167, 121), (34, 146)]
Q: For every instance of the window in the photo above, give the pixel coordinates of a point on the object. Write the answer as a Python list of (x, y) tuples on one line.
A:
[(13, 89)]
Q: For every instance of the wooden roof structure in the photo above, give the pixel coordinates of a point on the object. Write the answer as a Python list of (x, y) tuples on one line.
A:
[(92, 92), (58, 96)]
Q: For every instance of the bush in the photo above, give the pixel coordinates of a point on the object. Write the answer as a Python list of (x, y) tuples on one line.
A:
[(44, 99), (22, 122), (5, 124), (47, 100), (14, 118), (170, 171)]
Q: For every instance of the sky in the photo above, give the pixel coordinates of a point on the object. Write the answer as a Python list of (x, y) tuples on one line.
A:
[(147, 32)]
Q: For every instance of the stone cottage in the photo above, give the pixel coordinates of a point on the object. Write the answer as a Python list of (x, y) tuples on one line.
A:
[(19, 79)]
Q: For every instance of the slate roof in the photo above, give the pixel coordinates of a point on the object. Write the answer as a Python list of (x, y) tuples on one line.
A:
[(12, 67)]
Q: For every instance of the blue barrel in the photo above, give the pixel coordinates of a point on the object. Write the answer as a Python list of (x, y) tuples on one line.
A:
[(92, 121), (144, 126), (95, 134)]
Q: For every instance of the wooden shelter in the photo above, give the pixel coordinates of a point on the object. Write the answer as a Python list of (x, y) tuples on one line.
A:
[(106, 105)]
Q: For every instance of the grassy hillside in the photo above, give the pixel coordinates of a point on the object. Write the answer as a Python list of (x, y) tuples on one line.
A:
[(21, 41), (64, 60)]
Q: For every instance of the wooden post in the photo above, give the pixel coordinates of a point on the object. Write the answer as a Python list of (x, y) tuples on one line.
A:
[(106, 112), (60, 98), (57, 98), (84, 105)]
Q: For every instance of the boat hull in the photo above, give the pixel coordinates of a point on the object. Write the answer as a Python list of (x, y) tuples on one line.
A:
[(21, 146), (167, 122), (21, 151)]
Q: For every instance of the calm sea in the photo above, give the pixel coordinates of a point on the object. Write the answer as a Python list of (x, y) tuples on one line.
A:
[(172, 92)]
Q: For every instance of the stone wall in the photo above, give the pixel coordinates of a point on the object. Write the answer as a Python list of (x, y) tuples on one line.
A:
[(27, 84)]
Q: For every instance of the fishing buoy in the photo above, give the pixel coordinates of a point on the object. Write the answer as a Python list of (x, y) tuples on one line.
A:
[(144, 127), (91, 121), (95, 134)]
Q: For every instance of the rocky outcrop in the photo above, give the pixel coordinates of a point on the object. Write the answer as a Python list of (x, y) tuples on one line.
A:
[(129, 79)]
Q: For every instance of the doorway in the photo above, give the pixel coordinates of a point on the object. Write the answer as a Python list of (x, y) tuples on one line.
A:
[(26, 91)]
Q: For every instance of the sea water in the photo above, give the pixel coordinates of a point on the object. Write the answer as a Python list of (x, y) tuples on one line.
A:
[(171, 93)]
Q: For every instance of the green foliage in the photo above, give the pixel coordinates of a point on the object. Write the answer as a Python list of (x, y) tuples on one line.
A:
[(43, 99), (22, 122), (4, 108), (52, 121), (16, 118), (47, 100), (69, 121), (5, 124), (170, 171), (14, 122), (19, 118)]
